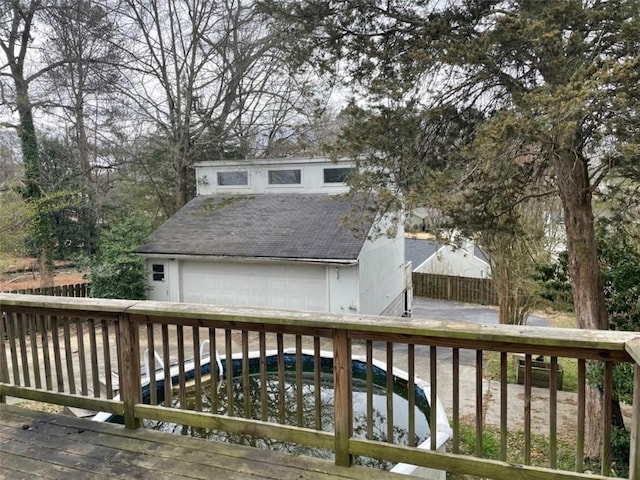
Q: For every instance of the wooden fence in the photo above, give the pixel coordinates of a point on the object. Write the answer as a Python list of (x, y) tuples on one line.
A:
[(76, 290), (459, 289), (72, 290)]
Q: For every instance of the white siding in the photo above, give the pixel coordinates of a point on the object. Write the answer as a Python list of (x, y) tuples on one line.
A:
[(344, 295), (291, 287), (382, 276), (457, 262)]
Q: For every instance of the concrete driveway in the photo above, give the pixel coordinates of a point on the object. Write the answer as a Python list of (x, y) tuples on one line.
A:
[(428, 309), (425, 308)]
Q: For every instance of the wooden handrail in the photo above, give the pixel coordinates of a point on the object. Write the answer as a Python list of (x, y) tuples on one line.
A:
[(589, 344)]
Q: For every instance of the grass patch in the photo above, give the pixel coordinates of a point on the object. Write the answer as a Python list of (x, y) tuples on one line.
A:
[(540, 448)]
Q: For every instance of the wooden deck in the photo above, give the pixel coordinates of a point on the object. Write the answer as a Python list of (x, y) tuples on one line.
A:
[(40, 445)]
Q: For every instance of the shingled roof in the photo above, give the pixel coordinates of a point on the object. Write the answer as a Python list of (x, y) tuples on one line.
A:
[(287, 226)]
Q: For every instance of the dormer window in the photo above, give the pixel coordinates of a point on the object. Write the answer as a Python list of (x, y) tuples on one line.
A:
[(336, 175), (285, 177), (233, 179)]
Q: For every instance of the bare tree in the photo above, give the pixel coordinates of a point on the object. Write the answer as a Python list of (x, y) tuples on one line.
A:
[(82, 89), (207, 77), (17, 21)]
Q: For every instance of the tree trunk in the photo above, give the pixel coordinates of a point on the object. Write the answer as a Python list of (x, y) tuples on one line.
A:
[(83, 151), (47, 273), (32, 192), (28, 140), (572, 178)]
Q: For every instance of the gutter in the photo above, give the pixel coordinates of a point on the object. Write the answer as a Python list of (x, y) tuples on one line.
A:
[(230, 259)]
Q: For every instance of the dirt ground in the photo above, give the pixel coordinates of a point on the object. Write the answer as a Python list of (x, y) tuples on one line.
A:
[(22, 273)]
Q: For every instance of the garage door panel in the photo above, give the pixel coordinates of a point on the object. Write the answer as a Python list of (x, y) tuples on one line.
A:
[(294, 287)]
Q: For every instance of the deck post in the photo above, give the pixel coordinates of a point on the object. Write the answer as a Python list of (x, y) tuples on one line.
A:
[(634, 460), (130, 374), (342, 391)]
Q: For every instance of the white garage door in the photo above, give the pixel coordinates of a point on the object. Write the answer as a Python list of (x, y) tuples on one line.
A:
[(292, 287)]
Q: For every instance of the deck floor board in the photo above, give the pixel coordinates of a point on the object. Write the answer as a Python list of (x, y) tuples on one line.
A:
[(40, 445)]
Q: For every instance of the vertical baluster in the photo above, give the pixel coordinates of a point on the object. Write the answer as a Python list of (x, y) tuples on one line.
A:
[(181, 374), (93, 346), (264, 400), (82, 359), (4, 366), (119, 367), (281, 390), (57, 356), (299, 386), (229, 373), (582, 370), (553, 412), (35, 358), (455, 382), (433, 402), (527, 409), (44, 341), (317, 383), (411, 394), (166, 371), (215, 374), (606, 418), (369, 390), (22, 333), (479, 398), (246, 387), (634, 457), (151, 356), (389, 394), (13, 347), (68, 354), (197, 367), (12, 322), (503, 406), (106, 355)]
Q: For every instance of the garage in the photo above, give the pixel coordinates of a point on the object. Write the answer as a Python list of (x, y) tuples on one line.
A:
[(290, 251), (279, 286)]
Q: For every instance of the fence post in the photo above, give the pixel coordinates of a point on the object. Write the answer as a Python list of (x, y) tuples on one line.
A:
[(342, 392), (130, 365)]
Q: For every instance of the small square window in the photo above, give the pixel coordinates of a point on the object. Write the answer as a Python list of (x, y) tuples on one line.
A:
[(158, 272), (233, 178), (285, 177), (336, 175)]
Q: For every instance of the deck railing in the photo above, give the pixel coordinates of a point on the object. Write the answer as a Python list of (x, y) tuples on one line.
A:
[(97, 354)]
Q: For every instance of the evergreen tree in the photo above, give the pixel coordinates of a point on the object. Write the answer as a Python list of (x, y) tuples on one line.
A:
[(560, 80)]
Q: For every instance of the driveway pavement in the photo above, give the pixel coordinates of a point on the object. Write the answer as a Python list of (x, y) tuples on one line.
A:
[(429, 309)]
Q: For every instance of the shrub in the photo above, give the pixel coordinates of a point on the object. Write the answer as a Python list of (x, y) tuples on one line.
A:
[(115, 272)]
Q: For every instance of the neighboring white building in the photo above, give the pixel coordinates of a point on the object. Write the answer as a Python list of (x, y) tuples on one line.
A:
[(271, 234), (465, 260)]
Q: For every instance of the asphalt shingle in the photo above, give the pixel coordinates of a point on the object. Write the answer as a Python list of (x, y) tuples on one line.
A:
[(288, 226)]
